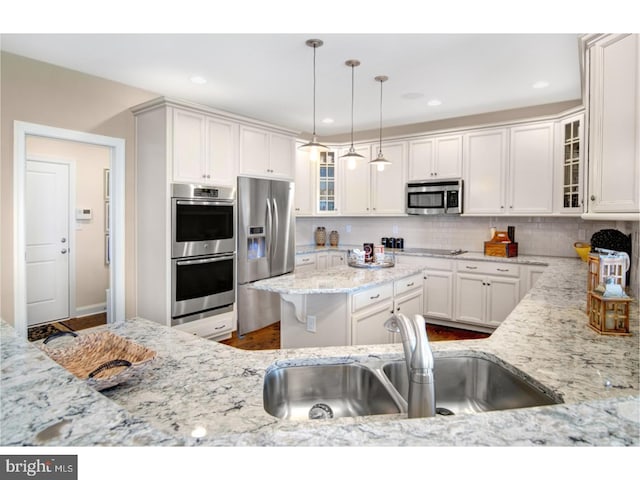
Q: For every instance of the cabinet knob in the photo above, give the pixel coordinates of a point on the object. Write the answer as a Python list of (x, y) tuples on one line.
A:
[(593, 198)]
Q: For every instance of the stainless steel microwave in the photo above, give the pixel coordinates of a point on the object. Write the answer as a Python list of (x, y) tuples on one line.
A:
[(442, 197)]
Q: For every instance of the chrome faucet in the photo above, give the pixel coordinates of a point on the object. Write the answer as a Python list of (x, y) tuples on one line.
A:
[(419, 359)]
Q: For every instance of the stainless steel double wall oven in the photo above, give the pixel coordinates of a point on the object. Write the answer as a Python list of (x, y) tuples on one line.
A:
[(203, 251)]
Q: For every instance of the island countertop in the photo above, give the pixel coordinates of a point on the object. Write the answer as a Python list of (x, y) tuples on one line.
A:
[(340, 279), (199, 392)]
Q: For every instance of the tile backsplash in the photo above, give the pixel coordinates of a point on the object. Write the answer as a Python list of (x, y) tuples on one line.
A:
[(550, 236)]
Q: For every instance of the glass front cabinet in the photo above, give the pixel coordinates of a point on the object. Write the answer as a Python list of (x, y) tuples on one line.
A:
[(571, 165), (327, 200)]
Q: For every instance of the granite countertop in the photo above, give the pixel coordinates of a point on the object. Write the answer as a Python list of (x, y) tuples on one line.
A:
[(340, 279), (199, 392)]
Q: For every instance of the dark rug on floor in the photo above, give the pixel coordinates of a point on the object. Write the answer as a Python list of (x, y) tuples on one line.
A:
[(42, 331)]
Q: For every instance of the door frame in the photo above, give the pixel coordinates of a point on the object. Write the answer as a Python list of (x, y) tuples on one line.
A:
[(71, 237), (116, 300)]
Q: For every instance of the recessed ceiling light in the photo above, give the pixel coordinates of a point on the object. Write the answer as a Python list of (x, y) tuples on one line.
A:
[(327, 120), (540, 84), (197, 79), (434, 102)]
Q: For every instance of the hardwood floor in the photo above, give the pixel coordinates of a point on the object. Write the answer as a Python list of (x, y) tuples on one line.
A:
[(268, 337)]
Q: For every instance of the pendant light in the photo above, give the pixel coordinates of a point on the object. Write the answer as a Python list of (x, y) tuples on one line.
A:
[(314, 147), (380, 161), (352, 155)]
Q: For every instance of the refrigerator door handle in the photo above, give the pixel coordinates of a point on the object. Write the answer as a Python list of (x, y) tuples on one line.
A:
[(276, 225), (269, 236)]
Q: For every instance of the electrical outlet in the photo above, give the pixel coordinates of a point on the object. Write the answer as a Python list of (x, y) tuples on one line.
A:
[(348, 228), (311, 323), (395, 229)]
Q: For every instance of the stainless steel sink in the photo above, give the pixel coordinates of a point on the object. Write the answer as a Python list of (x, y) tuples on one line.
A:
[(326, 391), (471, 384)]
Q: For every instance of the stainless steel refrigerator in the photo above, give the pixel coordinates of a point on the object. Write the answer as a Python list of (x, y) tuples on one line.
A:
[(266, 247)]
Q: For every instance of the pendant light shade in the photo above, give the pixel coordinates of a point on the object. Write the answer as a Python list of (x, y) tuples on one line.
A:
[(351, 156), (314, 147), (380, 161)]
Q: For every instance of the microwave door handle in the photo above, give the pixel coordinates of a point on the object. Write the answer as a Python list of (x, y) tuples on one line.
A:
[(445, 199)]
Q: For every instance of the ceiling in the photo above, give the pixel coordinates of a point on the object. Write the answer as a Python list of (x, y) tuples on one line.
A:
[(270, 76)]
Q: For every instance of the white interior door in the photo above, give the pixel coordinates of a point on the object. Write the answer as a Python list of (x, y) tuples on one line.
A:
[(47, 241)]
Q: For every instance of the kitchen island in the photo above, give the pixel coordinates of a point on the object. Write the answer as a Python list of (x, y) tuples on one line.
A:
[(198, 392), (341, 305)]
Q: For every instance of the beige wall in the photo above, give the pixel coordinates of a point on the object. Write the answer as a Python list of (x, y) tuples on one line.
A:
[(92, 274), (37, 92)]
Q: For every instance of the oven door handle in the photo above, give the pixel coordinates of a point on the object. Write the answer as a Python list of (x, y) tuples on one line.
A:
[(197, 261), (205, 203)]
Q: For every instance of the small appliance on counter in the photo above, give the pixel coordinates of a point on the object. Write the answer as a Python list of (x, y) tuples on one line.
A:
[(502, 244), (390, 242)]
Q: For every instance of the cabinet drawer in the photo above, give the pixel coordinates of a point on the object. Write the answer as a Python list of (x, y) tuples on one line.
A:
[(491, 268), (438, 264), (209, 327), (371, 296), (305, 259), (407, 284)]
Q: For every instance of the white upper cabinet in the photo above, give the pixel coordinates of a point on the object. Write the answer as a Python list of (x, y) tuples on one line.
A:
[(485, 171), (367, 191), (509, 171), (569, 171), (304, 181), (355, 198), (266, 154), (203, 149), (432, 158), (531, 164), (388, 185), (613, 76)]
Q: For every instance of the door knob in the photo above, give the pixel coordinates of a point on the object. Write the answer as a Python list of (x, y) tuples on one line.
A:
[(64, 250)]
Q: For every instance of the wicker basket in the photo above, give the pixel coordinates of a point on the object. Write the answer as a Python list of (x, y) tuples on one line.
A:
[(103, 359)]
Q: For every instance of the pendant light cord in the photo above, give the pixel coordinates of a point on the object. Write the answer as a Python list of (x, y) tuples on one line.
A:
[(314, 90), (380, 147), (352, 94)]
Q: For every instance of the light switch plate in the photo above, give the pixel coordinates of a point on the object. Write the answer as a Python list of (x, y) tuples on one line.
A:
[(311, 323)]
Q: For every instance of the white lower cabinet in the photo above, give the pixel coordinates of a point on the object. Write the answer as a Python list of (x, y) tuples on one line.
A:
[(330, 259), (217, 327), (485, 299), (529, 276), (472, 294), (368, 325), (319, 260), (438, 294), (370, 309), (373, 307)]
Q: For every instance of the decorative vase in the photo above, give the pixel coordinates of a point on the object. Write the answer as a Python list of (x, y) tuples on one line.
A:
[(321, 236), (334, 237)]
